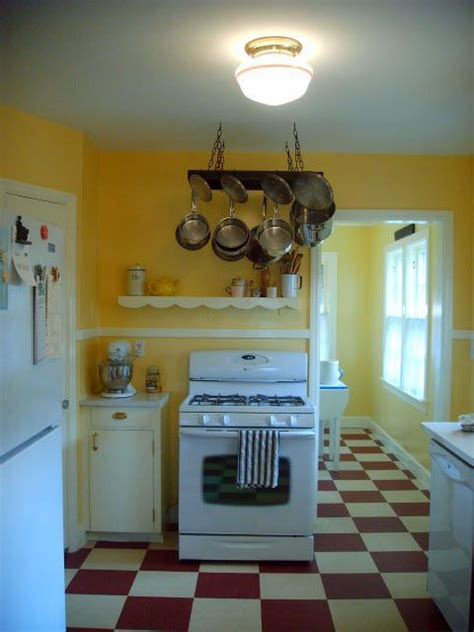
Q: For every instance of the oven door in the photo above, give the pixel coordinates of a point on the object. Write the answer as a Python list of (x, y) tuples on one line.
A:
[(210, 501)]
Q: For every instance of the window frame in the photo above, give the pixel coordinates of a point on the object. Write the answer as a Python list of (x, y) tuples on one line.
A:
[(328, 300), (404, 245)]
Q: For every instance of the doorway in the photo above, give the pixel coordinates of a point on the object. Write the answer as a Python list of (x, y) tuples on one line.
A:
[(350, 254)]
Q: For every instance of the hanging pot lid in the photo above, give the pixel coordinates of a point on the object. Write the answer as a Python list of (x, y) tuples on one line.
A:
[(200, 187), (276, 189), (313, 191), (234, 188)]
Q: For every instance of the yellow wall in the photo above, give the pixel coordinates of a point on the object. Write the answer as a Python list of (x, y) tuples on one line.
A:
[(353, 314)]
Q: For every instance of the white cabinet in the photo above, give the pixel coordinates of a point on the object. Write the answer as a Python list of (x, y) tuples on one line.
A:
[(121, 480), (125, 466)]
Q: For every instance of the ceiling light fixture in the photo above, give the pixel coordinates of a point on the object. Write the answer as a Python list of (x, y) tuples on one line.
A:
[(274, 75)]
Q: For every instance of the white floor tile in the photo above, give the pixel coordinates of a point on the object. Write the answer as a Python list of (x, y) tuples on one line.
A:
[(231, 615), (291, 586), (93, 611), (164, 584)]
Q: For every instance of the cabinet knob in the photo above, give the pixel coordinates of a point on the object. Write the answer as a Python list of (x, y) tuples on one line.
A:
[(119, 416), (94, 441)]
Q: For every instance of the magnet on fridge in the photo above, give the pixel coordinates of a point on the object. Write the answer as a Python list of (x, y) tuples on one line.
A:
[(21, 233), (56, 274), (44, 232)]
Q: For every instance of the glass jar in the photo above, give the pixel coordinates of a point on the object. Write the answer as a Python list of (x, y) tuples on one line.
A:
[(153, 380)]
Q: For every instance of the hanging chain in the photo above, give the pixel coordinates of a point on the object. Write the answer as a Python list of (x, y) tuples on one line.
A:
[(220, 156), (216, 148), (298, 158), (289, 159)]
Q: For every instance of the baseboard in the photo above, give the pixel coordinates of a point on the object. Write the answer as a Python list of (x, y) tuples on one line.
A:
[(405, 457), (364, 423), (125, 537), (411, 464)]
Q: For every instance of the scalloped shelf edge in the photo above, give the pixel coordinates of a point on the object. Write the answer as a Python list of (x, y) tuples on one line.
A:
[(211, 302)]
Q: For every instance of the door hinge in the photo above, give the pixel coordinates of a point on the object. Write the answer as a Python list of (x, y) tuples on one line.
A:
[(153, 515), (65, 404)]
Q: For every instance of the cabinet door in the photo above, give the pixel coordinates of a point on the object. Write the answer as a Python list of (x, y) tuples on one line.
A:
[(121, 480)]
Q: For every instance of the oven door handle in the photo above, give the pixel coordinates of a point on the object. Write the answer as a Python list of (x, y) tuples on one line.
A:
[(206, 433)]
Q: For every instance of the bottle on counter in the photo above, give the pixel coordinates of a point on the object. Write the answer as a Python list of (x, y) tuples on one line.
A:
[(153, 380)]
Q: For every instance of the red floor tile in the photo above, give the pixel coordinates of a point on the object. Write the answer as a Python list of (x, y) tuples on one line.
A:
[(166, 561), (355, 437), (332, 510), (347, 457), (362, 449), (422, 539), (378, 465), (296, 616), (426, 493), (155, 613), (400, 561), (75, 560), (228, 586), (108, 544), (357, 586), (327, 486), (389, 524), (338, 542), (394, 485), (422, 615), (362, 497), (409, 474), (321, 465), (98, 582), (392, 456), (89, 630), (349, 475), (411, 509), (288, 567)]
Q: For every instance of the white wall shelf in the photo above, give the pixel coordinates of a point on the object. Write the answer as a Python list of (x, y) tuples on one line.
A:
[(211, 302)]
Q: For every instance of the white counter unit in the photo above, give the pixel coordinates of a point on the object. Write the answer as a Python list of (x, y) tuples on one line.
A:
[(450, 435), (126, 465)]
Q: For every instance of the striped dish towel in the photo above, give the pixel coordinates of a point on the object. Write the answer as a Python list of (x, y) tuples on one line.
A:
[(258, 458)]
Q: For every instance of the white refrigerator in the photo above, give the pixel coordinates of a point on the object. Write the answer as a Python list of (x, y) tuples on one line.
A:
[(31, 393)]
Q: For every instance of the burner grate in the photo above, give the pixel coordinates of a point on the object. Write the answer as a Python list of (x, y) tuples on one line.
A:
[(241, 400)]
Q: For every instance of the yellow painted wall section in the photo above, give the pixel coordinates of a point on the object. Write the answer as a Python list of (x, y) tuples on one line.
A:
[(353, 313)]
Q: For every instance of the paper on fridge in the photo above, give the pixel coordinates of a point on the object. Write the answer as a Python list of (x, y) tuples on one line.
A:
[(22, 263)]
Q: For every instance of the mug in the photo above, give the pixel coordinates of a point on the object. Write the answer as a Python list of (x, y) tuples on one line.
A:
[(136, 281), (330, 373), (290, 284), (271, 292), (236, 290)]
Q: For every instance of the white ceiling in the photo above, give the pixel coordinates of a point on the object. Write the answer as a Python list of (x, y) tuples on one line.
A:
[(390, 76)]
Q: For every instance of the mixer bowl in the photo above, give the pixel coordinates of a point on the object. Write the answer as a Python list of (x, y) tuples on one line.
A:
[(116, 375)]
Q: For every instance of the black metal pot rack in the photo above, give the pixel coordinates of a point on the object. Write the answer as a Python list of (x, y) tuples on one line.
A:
[(250, 179)]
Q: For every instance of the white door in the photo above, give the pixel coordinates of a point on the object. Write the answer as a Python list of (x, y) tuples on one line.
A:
[(121, 480), (38, 208), (211, 502)]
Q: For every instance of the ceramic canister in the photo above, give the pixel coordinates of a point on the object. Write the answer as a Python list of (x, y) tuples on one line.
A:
[(136, 281)]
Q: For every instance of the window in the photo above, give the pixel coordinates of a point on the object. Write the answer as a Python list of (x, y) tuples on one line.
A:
[(328, 306), (406, 315)]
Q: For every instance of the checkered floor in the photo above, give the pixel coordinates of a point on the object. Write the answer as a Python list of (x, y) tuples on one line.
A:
[(368, 573)]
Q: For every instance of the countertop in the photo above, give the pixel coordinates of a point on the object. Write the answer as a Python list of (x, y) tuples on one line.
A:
[(450, 435), (336, 386), (140, 400)]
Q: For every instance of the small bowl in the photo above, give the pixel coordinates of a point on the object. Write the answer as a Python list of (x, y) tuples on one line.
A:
[(467, 427)]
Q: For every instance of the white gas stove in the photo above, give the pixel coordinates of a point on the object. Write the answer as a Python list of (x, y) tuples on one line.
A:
[(230, 391)]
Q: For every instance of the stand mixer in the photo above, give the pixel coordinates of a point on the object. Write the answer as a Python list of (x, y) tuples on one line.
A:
[(117, 371)]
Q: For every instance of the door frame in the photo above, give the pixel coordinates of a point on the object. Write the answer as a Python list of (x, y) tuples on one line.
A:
[(73, 535), (442, 316)]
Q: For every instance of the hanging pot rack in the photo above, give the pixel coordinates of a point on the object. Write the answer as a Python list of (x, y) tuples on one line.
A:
[(250, 179)]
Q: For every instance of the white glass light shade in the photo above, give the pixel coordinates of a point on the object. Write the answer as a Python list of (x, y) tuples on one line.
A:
[(274, 78)]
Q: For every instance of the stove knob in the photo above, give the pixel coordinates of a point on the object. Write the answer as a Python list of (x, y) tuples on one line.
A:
[(226, 420), (206, 420), (293, 421)]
